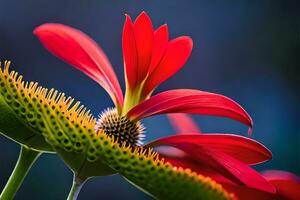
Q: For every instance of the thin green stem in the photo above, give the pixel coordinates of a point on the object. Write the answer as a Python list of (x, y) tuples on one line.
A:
[(76, 187), (26, 158)]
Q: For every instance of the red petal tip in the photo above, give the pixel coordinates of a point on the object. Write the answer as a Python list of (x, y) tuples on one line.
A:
[(142, 16), (44, 27), (127, 18), (188, 39), (164, 26)]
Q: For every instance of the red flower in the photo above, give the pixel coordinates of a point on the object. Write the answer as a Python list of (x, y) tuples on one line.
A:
[(225, 158), (149, 59)]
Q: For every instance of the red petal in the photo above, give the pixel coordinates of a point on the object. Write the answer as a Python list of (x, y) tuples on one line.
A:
[(226, 165), (161, 36), (186, 161), (246, 193), (143, 32), (129, 52), (241, 148), (240, 191), (287, 187), (190, 101), (177, 53), (286, 183), (183, 123), (79, 50)]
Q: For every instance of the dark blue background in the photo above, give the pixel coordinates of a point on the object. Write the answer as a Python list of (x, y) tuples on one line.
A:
[(246, 50)]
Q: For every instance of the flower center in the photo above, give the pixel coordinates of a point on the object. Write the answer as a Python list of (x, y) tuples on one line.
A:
[(123, 129)]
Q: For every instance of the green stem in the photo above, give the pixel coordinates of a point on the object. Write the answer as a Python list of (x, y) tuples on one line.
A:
[(76, 187), (132, 98), (26, 158)]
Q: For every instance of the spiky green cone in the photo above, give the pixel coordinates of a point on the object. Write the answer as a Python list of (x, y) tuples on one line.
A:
[(69, 129)]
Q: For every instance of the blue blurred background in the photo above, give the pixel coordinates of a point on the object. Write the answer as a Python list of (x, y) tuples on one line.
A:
[(247, 50)]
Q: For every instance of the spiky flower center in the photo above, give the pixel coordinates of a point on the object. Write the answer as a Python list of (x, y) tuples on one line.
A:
[(123, 129)]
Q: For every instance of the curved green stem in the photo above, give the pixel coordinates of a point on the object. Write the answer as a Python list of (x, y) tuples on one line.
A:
[(26, 158), (76, 187)]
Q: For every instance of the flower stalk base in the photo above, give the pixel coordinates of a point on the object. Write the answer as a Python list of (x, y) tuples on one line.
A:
[(26, 159), (76, 187)]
